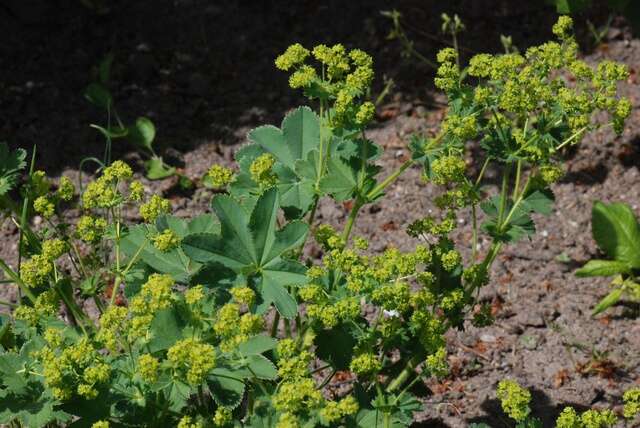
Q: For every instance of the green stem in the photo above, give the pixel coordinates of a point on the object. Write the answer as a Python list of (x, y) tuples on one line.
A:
[(386, 419), (474, 239), (287, 327), (327, 379), (357, 204), (72, 306), (408, 369), (517, 202), (116, 280), (482, 170), (390, 179), (503, 195), (274, 324), (9, 304), (572, 137), (16, 279), (516, 186)]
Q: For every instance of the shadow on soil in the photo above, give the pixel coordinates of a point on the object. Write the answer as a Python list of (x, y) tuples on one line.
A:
[(203, 71)]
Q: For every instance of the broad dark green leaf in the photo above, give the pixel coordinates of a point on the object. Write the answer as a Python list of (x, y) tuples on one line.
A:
[(251, 245), (226, 387), (293, 143), (98, 95), (173, 262), (11, 163), (142, 133), (261, 367), (617, 232), (538, 202), (341, 181), (157, 169), (166, 329), (36, 409), (335, 346), (257, 345)]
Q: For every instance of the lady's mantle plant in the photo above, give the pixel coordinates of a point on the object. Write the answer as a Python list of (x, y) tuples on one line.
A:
[(220, 321)]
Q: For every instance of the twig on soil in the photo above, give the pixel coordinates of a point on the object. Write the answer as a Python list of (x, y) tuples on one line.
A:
[(473, 351)]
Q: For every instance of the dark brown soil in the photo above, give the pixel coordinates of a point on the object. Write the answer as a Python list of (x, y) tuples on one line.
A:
[(203, 72)]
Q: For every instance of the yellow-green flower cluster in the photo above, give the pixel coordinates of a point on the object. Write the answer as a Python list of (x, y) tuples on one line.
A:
[(35, 271), (365, 113), (219, 176), (365, 364), (342, 77), (514, 400), (299, 395), (243, 295), (136, 191), (192, 358), (462, 127), (450, 260), (100, 424), (598, 418), (261, 170), (393, 297), (222, 418), (39, 183), (166, 241), (194, 295), (448, 74), (112, 323), (148, 368), (302, 77), (327, 313), (294, 55), (45, 306), (44, 206), (294, 366), (90, 229), (76, 369), (436, 364), (154, 295), (335, 410), (328, 238), (52, 249), (448, 169), (155, 207), (551, 173), (103, 192), (66, 189), (631, 399), (233, 328), (548, 88), (562, 29), (188, 422), (430, 226)]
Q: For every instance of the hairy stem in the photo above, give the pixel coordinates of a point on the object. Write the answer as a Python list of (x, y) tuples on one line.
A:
[(357, 204), (405, 373), (274, 324), (377, 191)]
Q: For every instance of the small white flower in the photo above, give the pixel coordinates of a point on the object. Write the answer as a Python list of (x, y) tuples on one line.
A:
[(391, 314)]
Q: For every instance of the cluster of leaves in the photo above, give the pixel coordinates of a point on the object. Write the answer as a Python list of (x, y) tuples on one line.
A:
[(141, 133), (219, 320), (617, 232), (515, 401)]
